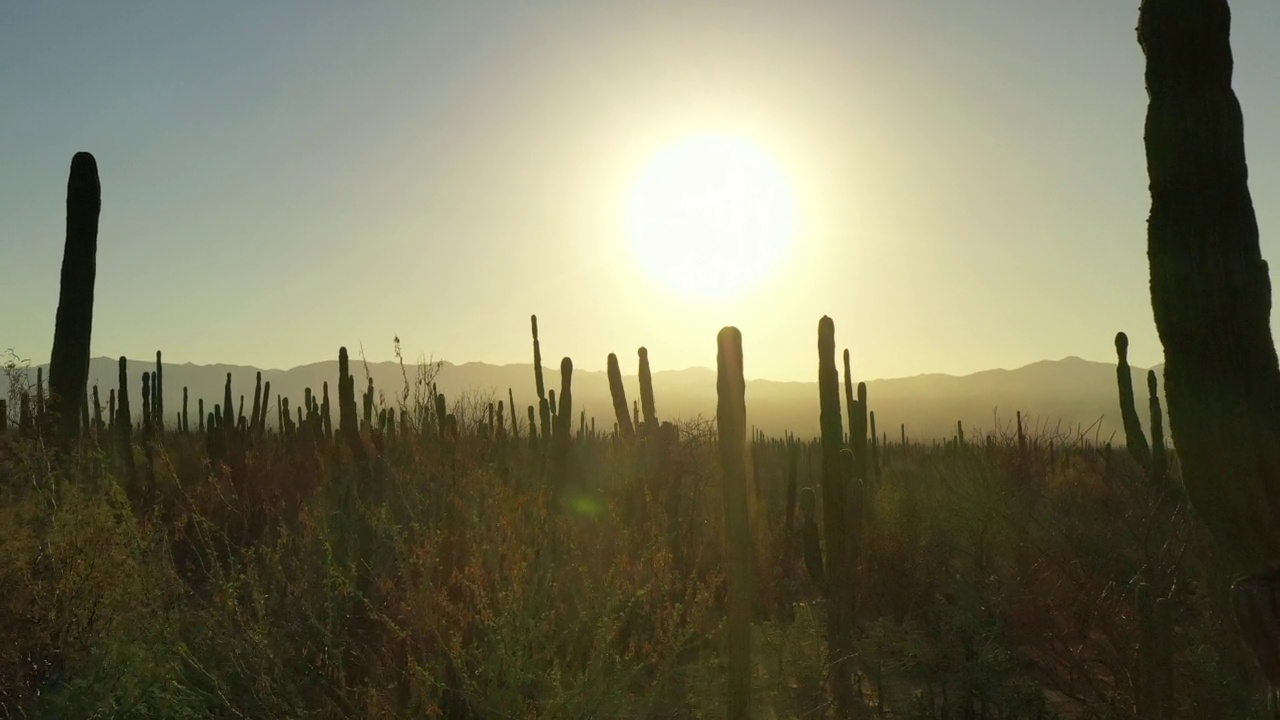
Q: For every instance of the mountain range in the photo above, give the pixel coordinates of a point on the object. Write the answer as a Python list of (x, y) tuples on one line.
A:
[(1070, 395)]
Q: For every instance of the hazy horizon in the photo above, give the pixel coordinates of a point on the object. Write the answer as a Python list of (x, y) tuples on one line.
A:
[(969, 182)]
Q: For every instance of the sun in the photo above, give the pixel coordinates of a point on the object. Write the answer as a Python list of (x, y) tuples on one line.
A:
[(711, 216)]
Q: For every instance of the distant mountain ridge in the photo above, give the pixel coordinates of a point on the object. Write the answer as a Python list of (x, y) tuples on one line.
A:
[(1068, 394)]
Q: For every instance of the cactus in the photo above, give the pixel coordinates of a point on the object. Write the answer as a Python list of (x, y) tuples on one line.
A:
[(543, 404), (157, 393), (326, 418), (835, 522), (619, 395), (257, 401), (562, 460), (40, 415), (515, 424), (183, 423), (1135, 441), (1211, 297), (266, 403), (646, 392), (124, 421), (533, 431), (1159, 462), (348, 422), (4, 415), (441, 412), (98, 425), (73, 324), (228, 418), (147, 415), (858, 440), (959, 434), (564, 413), (200, 417), (731, 423)]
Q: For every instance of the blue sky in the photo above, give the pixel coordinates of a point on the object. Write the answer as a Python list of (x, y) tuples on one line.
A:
[(283, 178)]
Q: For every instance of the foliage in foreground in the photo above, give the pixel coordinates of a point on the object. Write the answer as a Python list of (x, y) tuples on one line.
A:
[(450, 578)]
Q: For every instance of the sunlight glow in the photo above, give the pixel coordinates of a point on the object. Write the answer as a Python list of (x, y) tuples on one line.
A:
[(711, 216)]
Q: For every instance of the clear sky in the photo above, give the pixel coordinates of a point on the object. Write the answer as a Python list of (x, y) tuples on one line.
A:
[(283, 178)]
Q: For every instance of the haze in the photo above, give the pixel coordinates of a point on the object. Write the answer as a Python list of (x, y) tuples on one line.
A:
[(282, 179)]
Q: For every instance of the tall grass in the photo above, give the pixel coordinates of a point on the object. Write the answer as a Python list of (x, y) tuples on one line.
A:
[(446, 580)]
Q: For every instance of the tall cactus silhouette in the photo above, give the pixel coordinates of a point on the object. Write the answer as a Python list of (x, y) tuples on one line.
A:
[(544, 406), (147, 415), (73, 325), (563, 461), (1211, 297), (731, 423), (124, 419), (646, 392), (564, 415), (257, 402), (835, 520), (348, 418), (157, 393), (1159, 460), (619, 396), (1135, 441)]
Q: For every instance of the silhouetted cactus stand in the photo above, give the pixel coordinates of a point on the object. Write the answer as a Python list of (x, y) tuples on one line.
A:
[(1211, 295)]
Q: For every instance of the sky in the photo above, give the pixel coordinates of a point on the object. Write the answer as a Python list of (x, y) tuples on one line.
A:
[(280, 179)]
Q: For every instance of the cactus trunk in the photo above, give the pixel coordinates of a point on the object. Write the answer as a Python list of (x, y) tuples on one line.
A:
[(73, 326)]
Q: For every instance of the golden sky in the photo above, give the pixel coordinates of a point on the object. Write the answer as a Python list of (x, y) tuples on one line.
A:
[(967, 183)]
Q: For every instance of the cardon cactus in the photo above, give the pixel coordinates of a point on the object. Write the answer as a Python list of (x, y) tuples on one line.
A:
[(619, 396), (1135, 441), (124, 419), (228, 411), (646, 392), (73, 325), (157, 393), (731, 423), (543, 403), (1211, 297), (257, 402), (835, 520), (1159, 462)]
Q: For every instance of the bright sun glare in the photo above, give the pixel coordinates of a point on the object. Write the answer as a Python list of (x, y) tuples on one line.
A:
[(711, 216)]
